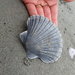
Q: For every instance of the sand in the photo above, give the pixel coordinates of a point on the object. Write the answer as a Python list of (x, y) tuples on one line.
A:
[(13, 17)]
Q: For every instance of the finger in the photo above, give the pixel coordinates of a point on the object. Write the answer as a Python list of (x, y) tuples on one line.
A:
[(40, 10), (31, 9), (30, 1), (54, 13), (47, 12)]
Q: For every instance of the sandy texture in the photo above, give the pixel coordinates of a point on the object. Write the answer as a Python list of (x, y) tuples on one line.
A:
[(13, 17)]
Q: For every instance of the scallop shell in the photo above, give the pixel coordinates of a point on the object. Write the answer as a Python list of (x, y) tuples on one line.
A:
[(42, 39)]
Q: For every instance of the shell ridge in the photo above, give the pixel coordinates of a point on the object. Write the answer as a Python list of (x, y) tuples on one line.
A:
[(54, 34), (42, 26), (33, 20), (50, 54), (43, 36), (42, 31), (43, 21), (48, 58), (30, 22), (35, 26), (38, 41), (39, 34)]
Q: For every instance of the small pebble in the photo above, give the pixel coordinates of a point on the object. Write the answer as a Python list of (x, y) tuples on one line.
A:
[(67, 48), (4, 23), (65, 29), (0, 62), (10, 30), (26, 61), (62, 10), (64, 32)]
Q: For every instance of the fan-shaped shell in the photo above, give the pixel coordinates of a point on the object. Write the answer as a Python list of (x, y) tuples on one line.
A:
[(42, 39)]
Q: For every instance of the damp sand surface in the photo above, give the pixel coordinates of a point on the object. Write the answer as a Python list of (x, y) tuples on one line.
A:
[(13, 61)]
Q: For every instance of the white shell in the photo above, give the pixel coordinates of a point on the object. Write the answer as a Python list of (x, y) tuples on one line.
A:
[(42, 39), (72, 52)]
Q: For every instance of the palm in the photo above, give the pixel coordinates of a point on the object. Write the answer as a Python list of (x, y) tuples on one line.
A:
[(47, 8)]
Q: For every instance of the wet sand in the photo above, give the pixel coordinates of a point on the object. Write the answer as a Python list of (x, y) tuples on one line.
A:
[(13, 17)]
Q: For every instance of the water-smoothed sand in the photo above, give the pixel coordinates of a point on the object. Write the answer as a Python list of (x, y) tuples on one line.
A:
[(13, 17)]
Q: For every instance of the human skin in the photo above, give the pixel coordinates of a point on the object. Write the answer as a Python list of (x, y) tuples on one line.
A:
[(47, 8)]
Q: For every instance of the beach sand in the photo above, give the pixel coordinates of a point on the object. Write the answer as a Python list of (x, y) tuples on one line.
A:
[(13, 17)]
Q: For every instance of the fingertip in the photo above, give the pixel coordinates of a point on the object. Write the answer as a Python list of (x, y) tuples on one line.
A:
[(31, 9)]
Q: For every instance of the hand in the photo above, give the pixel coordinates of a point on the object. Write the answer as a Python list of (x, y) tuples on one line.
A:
[(47, 8)]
